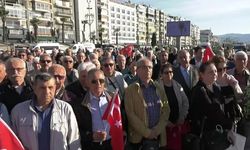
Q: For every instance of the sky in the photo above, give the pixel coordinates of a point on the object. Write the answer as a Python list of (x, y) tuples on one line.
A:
[(221, 16)]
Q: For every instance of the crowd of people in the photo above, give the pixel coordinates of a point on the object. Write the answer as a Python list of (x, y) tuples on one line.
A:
[(56, 101)]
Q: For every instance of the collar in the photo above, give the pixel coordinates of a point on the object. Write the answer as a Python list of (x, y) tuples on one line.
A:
[(143, 85), (184, 69), (36, 107), (94, 97)]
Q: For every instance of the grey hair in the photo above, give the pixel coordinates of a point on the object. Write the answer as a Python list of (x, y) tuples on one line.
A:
[(86, 66), (14, 59), (141, 61), (240, 53)]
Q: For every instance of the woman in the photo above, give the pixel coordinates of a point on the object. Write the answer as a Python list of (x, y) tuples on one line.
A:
[(230, 89), (208, 104), (179, 106)]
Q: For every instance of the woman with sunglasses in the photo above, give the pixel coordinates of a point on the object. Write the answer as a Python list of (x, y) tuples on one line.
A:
[(179, 106), (230, 89)]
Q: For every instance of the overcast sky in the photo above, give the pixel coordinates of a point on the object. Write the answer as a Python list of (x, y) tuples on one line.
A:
[(221, 16)]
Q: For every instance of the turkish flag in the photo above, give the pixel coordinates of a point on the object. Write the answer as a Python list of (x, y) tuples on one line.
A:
[(113, 115), (208, 54), (8, 139), (127, 51)]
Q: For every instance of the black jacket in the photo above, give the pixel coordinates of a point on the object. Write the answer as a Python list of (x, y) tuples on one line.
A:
[(208, 104)]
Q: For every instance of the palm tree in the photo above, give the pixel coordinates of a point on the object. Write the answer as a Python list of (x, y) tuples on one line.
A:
[(3, 14), (63, 23), (101, 30), (35, 22)]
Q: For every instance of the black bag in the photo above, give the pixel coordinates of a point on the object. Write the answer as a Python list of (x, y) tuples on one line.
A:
[(215, 139)]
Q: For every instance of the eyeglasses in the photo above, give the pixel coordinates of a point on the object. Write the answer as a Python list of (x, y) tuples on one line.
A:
[(108, 65), (168, 72), (68, 61), (47, 61), (221, 69), (59, 77), (21, 55), (101, 81)]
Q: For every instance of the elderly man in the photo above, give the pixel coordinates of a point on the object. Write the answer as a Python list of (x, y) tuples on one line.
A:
[(77, 90), (186, 74), (59, 73), (147, 110), (94, 131), (121, 64), (15, 89), (44, 122), (71, 73), (240, 72)]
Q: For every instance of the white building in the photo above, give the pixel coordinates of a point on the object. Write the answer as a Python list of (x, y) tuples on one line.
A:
[(205, 36), (141, 24), (122, 23)]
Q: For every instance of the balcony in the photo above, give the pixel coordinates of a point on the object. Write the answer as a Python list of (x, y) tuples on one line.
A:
[(63, 4), (63, 13)]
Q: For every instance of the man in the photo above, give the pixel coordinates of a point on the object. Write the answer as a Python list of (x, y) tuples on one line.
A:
[(77, 90), (240, 71), (80, 58), (147, 110), (113, 79), (2, 72), (198, 56), (121, 64), (44, 122), (94, 131), (45, 62), (185, 74), (15, 89), (59, 73), (71, 73), (163, 59), (173, 56), (23, 55)]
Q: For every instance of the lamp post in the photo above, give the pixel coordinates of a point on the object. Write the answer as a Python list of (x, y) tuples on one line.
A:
[(89, 17), (84, 22), (117, 30)]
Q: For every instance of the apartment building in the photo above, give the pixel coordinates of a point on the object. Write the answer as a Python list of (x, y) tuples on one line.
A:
[(122, 29), (103, 23), (205, 36), (141, 27)]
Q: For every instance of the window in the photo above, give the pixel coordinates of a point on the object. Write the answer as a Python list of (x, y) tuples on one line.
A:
[(128, 18), (128, 12), (123, 17), (128, 23), (112, 9), (113, 15), (112, 21), (118, 9), (118, 16), (118, 22), (123, 11), (123, 23)]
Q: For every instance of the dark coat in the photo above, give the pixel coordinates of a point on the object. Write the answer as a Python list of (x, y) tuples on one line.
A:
[(207, 103)]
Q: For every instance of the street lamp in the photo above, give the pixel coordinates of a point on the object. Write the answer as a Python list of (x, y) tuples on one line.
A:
[(116, 31), (84, 22), (89, 17)]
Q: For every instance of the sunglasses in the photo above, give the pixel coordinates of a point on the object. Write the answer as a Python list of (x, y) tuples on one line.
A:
[(168, 72), (47, 61), (68, 61), (108, 65), (59, 77), (101, 81), (220, 69)]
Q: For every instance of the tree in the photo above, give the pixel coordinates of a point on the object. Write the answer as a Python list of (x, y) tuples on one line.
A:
[(63, 25), (3, 14), (35, 22), (101, 30), (153, 40)]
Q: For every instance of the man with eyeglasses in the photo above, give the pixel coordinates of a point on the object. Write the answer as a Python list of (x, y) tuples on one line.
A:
[(59, 73), (147, 110), (93, 130), (71, 73), (16, 89)]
